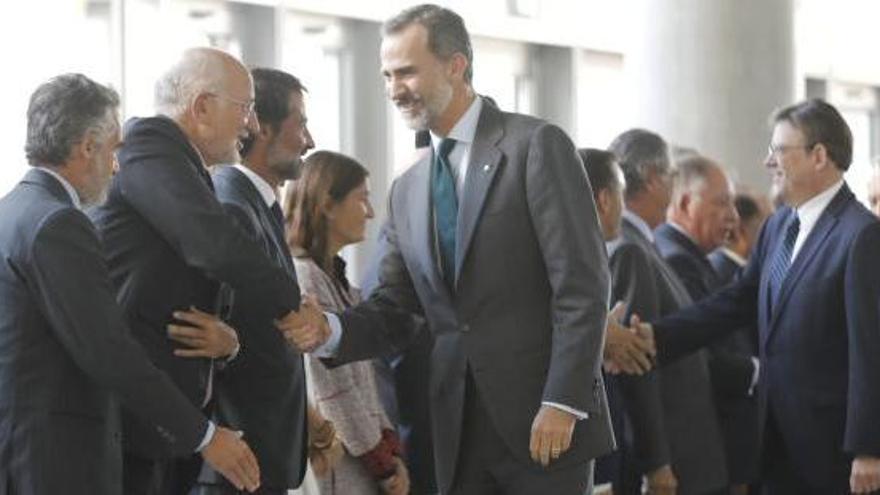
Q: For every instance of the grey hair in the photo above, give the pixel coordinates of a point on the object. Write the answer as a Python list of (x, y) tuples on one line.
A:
[(199, 70), (691, 174), (62, 112), (447, 34), (640, 152)]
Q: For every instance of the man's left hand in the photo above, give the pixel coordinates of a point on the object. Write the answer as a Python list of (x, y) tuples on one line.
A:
[(207, 336), (865, 477), (551, 434)]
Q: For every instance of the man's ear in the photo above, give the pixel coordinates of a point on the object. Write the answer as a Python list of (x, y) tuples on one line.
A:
[(200, 107), (458, 64), (820, 157)]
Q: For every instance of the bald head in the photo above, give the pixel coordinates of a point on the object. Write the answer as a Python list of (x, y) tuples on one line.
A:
[(199, 70), (210, 95), (702, 201)]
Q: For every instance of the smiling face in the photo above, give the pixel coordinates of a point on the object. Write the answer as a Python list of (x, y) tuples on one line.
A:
[(711, 211), (226, 116), (418, 83), (792, 164), (290, 142)]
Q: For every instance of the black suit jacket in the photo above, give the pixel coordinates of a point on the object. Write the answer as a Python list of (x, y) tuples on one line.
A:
[(730, 360), (820, 376), (66, 356), (263, 390), (671, 417), (169, 244)]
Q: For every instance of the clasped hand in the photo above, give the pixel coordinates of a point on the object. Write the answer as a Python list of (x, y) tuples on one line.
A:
[(307, 329), (629, 350)]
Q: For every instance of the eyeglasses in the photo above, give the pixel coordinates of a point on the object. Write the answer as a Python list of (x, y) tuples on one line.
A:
[(777, 150), (245, 106)]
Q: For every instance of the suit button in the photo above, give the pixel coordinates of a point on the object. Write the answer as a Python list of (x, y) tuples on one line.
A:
[(465, 328)]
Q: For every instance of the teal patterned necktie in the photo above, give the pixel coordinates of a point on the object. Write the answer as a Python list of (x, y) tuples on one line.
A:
[(445, 209)]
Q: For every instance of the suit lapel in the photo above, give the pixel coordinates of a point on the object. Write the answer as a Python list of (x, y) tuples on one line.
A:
[(485, 159), (267, 220), (826, 223)]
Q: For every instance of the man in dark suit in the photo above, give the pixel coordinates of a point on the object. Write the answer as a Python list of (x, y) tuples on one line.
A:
[(701, 215), (263, 391), (674, 438), (170, 243), (812, 285), (494, 239), (66, 357)]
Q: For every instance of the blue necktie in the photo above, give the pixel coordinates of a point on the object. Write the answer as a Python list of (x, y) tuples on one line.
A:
[(781, 260), (445, 209)]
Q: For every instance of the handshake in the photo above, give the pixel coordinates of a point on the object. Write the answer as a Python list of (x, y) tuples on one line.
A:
[(307, 329), (629, 350)]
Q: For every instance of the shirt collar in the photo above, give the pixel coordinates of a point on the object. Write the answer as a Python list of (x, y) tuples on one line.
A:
[(266, 191), (681, 230), (640, 224), (808, 213), (465, 129), (74, 196), (734, 256)]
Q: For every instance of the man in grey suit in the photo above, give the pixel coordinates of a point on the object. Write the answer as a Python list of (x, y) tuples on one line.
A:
[(66, 356), (494, 239), (675, 439)]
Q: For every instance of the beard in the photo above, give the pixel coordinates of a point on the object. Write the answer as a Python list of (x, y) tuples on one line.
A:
[(419, 112)]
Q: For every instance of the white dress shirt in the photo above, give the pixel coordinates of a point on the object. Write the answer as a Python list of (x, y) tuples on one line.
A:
[(809, 212)]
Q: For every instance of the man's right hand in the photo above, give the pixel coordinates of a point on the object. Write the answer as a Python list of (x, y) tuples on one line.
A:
[(627, 350), (306, 329), (229, 455), (662, 481)]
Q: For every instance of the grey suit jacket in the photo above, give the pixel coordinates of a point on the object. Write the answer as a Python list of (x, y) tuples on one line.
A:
[(66, 355), (531, 290), (681, 427)]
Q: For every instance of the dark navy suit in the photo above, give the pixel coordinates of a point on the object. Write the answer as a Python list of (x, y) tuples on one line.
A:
[(819, 390)]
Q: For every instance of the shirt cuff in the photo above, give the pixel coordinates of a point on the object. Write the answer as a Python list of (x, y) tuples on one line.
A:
[(578, 414), (234, 354), (756, 372), (209, 434), (328, 349)]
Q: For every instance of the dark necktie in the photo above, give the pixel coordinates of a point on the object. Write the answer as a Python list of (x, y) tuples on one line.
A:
[(278, 224), (781, 260), (445, 209)]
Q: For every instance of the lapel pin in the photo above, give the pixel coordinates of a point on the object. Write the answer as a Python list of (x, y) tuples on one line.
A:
[(487, 167)]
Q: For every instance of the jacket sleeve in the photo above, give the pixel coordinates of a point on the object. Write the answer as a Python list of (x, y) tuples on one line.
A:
[(563, 215), (388, 321), (160, 183), (862, 286), (72, 281)]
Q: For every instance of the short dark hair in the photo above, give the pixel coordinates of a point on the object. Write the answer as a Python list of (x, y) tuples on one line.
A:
[(325, 175), (447, 34), (746, 207), (821, 123), (60, 114), (272, 89), (600, 168), (638, 153)]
